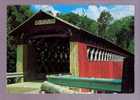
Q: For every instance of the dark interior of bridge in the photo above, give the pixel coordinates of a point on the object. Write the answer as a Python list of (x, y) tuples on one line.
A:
[(47, 56)]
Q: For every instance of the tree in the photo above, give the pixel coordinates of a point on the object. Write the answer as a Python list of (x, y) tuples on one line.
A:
[(15, 16), (121, 32), (104, 21), (81, 21)]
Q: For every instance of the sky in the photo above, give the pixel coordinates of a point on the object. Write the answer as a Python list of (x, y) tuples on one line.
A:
[(92, 11)]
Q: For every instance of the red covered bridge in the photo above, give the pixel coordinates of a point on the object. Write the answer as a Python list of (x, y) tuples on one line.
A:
[(48, 45)]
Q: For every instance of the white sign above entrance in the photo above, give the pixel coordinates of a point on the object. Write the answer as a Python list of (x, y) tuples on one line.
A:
[(44, 21)]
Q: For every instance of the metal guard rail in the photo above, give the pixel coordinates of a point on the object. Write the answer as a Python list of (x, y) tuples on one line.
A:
[(89, 83)]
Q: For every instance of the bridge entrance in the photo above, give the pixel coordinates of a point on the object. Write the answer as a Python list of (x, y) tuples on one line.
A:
[(47, 56)]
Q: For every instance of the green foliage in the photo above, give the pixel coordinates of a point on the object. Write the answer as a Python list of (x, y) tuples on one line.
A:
[(81, 21), (131, 46), (121, 32), (15, 16), (103, 22)]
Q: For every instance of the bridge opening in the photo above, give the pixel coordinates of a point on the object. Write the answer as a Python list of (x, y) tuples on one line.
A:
[(47, 56)]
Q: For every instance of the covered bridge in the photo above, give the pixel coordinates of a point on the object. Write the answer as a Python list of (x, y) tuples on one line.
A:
[(48, 45)]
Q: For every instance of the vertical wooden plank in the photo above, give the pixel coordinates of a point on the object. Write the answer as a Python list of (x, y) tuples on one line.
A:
[(83, 60), (74, 68), (20, 62)]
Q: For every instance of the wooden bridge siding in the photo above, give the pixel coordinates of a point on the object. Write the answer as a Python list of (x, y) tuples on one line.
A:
[(74, 66), (98, 69)]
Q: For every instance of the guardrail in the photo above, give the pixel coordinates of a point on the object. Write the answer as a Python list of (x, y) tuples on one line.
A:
[(16, 75), (113, 85)]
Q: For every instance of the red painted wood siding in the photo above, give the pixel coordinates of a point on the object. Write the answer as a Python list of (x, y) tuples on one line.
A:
[(98, 69)]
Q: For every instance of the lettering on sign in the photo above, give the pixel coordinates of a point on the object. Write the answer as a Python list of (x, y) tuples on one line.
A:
[(44, 21)]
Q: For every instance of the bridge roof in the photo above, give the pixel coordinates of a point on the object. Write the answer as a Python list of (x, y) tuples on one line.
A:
[(28, 27)]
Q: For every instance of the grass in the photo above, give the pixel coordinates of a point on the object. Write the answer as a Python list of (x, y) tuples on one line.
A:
[(24, 87), (19, 89)]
